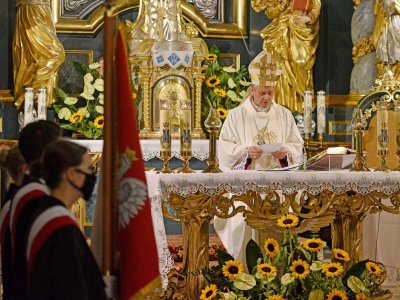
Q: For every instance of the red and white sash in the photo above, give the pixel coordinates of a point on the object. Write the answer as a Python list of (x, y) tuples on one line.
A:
[(45, 224), (22, 197)]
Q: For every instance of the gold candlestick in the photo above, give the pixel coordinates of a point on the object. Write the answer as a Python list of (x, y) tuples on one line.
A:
[(165, 135), (306, 140), (321, 141), (165, 156), (359, 123), (382, 156), (212, 123), (382, 134), (185, 135)]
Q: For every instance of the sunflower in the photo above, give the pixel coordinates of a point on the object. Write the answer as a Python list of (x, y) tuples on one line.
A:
[(333, 269), (220, 92), (99, 122), (209, 292), (288, 221), (211, 57), (373, 268), (271, 246), (361, 296), (212, 81), (275, 297), (266, 269), (337, 295), (222, 113), (313, 245), (232, 268), (300, 269), (76, 117), (340, 254)]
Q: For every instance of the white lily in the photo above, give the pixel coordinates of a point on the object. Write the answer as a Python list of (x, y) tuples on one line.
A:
[(70, 100), (99, 84), (84, 111), (99, 109), (88, 91), (88, 78), (229, 69), (64, 113), (101, 98), (244, 82), (287, 278), (231, 83), (94, 66)]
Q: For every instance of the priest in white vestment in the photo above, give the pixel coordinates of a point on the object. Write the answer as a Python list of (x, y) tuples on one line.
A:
[(258, 120)]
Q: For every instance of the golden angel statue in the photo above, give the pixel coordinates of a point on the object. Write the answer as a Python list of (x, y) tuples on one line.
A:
[(37, 52), (293, 37), (386, 35)]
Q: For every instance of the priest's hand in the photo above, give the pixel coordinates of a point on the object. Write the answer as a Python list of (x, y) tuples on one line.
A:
[(255, 152), (280, 154)]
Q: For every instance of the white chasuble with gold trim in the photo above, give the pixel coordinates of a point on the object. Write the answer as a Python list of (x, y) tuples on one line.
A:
[(245, 127)]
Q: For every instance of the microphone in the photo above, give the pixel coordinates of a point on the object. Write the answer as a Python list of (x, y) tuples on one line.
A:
[(299, 139)]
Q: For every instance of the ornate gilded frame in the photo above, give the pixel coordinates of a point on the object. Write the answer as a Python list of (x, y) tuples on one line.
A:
[(229, 59), (235, 30)]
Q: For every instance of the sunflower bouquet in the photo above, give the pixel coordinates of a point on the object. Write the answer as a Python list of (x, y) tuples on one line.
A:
[(292, 271), (224, 87), (85, 113)]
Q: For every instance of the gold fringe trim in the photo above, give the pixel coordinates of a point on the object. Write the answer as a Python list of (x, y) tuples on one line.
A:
[(150, 291)]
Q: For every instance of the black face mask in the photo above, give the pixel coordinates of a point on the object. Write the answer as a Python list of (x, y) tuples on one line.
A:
[(88, 185)]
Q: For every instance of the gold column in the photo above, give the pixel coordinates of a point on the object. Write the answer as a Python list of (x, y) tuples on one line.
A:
[(347, 234), (145, 72), (195, 215), (198, 79)]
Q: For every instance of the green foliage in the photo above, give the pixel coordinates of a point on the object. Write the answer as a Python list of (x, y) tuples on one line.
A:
[(291, 271), (84, 113), (225, 91)]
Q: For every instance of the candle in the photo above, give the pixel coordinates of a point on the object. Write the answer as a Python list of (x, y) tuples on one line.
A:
[(185, 127), (41, 113), (28, 106), (165, 126), (307, 111), (321, 112), (382, 125), (397, 124)]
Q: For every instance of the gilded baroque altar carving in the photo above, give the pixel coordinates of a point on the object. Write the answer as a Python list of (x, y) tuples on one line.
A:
[(342, 199)]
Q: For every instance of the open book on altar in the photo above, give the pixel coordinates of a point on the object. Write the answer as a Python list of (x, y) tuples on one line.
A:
[(334, 158), (301, 5)]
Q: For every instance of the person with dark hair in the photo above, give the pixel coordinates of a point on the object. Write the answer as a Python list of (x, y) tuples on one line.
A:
[(17, 213), (60, 263), (13, 162)]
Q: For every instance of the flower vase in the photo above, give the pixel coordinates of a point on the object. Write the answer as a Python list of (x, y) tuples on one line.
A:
[(213, 124)]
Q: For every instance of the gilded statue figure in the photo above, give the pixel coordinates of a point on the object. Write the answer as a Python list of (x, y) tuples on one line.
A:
[(37, 52), (293, 37), (386, 35)]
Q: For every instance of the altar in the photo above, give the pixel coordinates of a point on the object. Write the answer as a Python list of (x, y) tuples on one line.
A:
[(340, 198)]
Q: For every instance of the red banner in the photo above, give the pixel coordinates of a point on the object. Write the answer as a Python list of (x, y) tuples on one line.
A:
[(138, 261)]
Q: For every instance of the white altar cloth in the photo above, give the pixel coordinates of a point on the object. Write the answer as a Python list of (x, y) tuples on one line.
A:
[(151, 148), (239, 182)]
